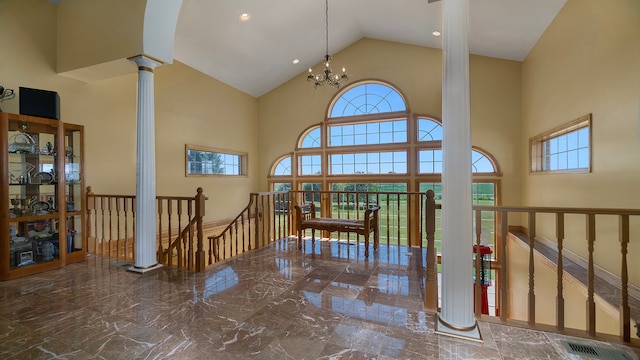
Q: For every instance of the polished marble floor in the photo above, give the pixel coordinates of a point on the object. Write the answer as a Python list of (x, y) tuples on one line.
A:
[(326, 302)]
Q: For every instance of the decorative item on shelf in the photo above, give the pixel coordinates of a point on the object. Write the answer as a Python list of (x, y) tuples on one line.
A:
[(25, 258), (6, 94), (70, 236), (22, 142), (48, 250), (43, 177), (40, 208), (326, 76)]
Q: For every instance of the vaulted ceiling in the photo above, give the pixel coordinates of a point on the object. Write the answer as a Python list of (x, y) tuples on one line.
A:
[(257, 55)]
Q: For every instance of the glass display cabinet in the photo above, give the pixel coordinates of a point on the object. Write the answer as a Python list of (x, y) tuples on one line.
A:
[(42, 181)]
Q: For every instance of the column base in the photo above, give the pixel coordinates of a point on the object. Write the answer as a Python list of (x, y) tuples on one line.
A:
[(470, 333), (144, 270)]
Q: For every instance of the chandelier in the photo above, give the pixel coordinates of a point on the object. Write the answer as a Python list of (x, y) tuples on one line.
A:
[(326, 76)]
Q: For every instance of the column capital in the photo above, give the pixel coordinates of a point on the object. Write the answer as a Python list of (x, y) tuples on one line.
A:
[(145, 62)]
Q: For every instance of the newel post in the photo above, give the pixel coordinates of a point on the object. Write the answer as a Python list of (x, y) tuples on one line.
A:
[(200, 201), (431, 286), (90, 207)]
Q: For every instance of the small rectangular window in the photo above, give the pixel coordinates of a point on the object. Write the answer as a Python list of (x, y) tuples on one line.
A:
[(563, 149), (200, 160)]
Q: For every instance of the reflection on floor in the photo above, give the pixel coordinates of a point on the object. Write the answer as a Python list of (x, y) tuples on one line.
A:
[(325, 302)]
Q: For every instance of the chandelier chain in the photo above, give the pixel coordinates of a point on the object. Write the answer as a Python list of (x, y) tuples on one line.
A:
[(326, 26), (326, 76)]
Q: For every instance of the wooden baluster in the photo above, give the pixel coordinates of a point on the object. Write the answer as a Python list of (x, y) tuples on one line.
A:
[(235, 229), (191, 234), (102, 217), (275, 220), (125, 201), (398, 221), (110, 202), (591, 305), (91, 233), (180, 244), (504, 231), (478, 265), (224, 246), (532, 296), (133, 225), (560, 271), (256, 221), (118, 237), (161, 255), (388, 221), (243, 230), (625, 314)]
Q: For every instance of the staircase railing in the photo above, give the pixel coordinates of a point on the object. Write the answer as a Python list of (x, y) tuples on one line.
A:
[(180, 237), (550, 255)]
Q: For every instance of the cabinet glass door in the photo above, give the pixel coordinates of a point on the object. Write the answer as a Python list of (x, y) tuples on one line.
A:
[(73, 188), (33, 193)]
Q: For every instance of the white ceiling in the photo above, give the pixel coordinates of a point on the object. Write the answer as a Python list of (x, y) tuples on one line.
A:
[(256, 56)]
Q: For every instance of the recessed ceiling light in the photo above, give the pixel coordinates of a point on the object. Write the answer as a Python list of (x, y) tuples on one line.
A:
[(295, 61), (436, 33), (245, 17)]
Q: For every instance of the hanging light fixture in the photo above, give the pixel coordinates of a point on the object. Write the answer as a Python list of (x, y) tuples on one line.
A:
[(326, 76)]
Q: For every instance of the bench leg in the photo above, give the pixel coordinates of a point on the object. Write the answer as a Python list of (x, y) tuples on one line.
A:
[(366, 245), (376, 239), (299, 239), (313, 238)]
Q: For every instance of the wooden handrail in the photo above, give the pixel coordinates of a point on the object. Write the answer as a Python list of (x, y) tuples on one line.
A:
[(111, 217), (530, 238)]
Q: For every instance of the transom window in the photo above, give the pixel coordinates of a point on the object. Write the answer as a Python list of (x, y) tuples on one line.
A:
[(564, 149), (391, 162), (201, 160), (377, 132), (368, 98)]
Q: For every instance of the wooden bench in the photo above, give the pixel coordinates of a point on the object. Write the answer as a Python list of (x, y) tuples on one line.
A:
[(306, 219)]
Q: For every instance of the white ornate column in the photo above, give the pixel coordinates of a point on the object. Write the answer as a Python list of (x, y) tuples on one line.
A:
[(457, 316), (146, 258)]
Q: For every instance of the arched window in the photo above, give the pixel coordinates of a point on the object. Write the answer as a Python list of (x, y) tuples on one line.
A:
[(282, 167), (311, 139), (367, 98), (429, 130), (370, 138)]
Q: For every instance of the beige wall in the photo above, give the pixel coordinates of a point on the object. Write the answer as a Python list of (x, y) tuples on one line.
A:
[(98, 31), (417, 72), (588, 62), (190, 108)]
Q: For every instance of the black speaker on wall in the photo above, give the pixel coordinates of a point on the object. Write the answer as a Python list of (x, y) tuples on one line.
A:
[(41, 103)]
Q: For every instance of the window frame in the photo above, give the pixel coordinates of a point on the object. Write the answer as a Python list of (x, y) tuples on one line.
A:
[(538, 161), (243, 157)]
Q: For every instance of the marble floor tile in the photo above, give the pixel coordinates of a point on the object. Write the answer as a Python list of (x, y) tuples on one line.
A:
[(325, 302)]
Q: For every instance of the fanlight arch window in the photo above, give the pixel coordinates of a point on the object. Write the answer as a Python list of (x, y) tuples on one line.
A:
[(311, 139), (429, 130), (282, 167), (367, 98)]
